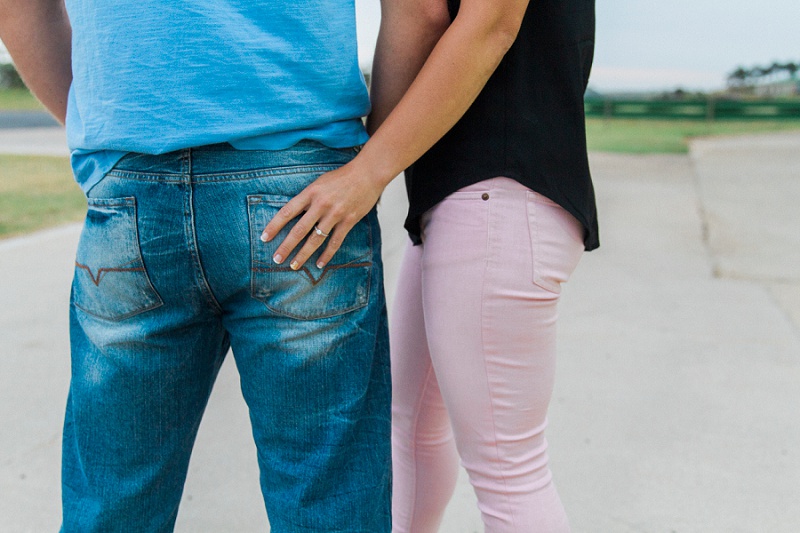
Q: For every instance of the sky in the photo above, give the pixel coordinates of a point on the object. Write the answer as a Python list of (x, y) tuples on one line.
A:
[(662, 45)]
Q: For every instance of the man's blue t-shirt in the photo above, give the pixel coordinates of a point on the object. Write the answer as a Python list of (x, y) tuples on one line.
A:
[(153, 76)]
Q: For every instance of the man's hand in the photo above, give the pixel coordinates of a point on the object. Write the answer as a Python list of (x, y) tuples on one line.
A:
[(330, 207)]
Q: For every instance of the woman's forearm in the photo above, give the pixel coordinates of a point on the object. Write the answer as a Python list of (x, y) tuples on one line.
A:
[(38, 36), (441, 86)]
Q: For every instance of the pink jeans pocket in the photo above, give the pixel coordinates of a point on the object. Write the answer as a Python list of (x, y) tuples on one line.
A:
[(556, 242)]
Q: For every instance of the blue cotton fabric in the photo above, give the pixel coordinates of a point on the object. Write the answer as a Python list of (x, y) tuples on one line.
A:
[(153, 77)]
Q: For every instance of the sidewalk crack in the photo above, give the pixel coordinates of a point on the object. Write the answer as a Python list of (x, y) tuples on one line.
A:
[(702, 212)]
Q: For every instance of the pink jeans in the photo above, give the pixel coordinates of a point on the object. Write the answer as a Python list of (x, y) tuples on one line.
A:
[(473, 343)]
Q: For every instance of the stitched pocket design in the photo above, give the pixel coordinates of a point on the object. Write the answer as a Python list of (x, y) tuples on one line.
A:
[(309, 293), (556, 242), (110, 278)]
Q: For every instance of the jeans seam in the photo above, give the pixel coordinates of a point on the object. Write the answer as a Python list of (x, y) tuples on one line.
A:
[(417, 412), (191, 243), (489, 224), (307, 272)]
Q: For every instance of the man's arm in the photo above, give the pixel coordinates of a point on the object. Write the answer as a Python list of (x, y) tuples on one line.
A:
[(460, 64), (409, 31), (39, 38)]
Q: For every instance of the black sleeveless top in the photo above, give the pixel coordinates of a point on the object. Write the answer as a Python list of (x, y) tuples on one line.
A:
[(528, 122)]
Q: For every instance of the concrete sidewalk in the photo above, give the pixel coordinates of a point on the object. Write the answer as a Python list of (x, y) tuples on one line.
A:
[(34, 141), (678, 377)]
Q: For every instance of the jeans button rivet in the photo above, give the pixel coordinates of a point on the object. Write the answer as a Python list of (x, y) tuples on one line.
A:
[(485, 196)]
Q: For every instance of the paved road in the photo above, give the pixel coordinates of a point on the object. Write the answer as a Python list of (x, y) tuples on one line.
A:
[(678, 378), (26, 119), (34, 141)]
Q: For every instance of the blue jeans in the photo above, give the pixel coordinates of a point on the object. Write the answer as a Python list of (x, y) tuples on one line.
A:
[(170, 273)]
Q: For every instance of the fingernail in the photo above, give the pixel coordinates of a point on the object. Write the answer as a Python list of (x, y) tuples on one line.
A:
[(320, 265), (277, 258), (293, 265), (264, 237)]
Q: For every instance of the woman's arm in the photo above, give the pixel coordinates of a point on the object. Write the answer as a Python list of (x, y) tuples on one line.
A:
[(453, 75), (38, 36)]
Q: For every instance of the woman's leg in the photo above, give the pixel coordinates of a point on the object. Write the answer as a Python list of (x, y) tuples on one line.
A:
[(495, 255), (424, 458)]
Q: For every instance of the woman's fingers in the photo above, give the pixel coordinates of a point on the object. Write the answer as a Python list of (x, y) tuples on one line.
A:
[(334, 243), (333, 204), (315, 239), (318, 224), (286, 214)]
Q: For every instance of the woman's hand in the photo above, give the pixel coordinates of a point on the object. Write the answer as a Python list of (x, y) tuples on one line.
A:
[(442, 87), (330, 207)]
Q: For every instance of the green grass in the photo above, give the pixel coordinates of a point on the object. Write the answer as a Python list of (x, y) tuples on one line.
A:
[(37, 192), (18, 100), (642, 136)]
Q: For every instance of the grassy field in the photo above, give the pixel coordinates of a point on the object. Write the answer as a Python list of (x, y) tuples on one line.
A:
[(37, 192), (18, 100), (667, 136)]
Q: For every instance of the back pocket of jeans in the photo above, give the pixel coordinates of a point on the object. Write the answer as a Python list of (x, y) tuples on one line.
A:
[(309, 293), (110, 278)]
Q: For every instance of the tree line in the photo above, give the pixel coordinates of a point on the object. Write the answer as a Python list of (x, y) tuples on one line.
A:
[(744, 77)]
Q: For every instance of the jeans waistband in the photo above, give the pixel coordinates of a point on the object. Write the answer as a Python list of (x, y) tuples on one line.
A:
[(219, 161)]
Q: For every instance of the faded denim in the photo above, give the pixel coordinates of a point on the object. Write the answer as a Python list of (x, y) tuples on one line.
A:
[(170, 272)]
